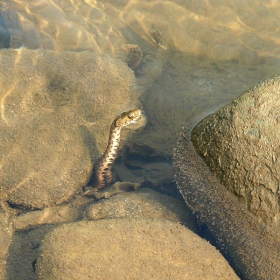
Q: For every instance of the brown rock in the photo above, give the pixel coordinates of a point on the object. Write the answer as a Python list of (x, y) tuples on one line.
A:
[(252, 245), (56, 111), (129, 249), (241, 145), (143, 203), (5, 240)]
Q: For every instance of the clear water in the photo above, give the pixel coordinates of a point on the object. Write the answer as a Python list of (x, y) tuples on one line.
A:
[(196, 55)]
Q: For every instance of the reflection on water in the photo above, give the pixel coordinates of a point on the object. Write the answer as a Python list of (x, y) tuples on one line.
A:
[(188, 56)]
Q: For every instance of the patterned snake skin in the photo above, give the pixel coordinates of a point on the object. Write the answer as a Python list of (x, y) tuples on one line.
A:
[(102, 170)]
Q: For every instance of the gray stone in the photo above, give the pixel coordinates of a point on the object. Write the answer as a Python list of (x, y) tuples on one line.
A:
[(56, 112)]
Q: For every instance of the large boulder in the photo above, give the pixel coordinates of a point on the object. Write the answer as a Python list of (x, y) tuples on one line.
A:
[(129, 249), (240, 142), (241, 145), (31, 227), (56, 111)]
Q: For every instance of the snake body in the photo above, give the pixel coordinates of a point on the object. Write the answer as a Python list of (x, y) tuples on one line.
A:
[(252, 247), (102, 170)]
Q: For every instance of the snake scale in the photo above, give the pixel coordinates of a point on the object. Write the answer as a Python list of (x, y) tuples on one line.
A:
[(102, 169), (253, 248)]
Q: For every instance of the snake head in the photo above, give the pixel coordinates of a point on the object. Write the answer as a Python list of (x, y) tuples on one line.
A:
[(128, 117)]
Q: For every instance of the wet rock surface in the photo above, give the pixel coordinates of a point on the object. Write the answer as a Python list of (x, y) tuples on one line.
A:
[(129, 249), (235, 134), (54, 109), (31, 227), (143, 203), (4, 34), (241, 145), (5, 239)]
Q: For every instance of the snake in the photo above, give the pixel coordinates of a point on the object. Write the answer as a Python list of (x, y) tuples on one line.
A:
[(253, 248), (103, 167)]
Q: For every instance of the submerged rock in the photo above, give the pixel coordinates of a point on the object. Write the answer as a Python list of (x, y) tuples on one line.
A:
[(241, 145), (56, 112), (129, 249), (241, 142), (143, 203), (6, 232)]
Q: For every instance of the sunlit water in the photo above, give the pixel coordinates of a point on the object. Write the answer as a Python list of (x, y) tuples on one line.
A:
[(191, 56), (196, 54)]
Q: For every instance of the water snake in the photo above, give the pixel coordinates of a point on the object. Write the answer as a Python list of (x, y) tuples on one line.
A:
[(102, 169), (253, 247)]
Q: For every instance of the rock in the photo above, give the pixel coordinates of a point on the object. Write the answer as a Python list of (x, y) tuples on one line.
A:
[(132, 55), (56, 112), (31, 227), (143, 203), (61, 26), (128, 249), (156, 173), (252, 245), (241, 145), (4, 34), (6, 232), (23, 252)]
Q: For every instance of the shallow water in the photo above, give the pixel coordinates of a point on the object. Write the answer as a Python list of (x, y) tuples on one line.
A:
[(189, 56), (196, 54)]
